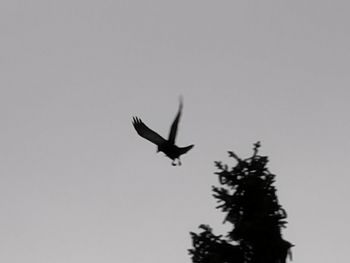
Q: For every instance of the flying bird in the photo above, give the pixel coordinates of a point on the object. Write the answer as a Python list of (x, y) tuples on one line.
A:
[(166, 146)]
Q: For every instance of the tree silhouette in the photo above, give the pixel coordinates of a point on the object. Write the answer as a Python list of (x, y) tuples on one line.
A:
[(248, 198)]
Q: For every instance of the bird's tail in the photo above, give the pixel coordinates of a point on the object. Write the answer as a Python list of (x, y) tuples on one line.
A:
[(186, 149)]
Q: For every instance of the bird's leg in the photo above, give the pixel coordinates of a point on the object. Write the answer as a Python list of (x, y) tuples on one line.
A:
[(179, 161), (173, 163)]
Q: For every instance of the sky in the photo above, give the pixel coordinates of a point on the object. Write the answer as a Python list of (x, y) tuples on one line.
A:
[(78, 185)]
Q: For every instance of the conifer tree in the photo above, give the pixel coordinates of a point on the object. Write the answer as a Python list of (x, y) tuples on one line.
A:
[(248, 198)]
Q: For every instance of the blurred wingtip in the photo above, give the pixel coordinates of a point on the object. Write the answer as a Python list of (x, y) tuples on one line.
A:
[(181, 99)]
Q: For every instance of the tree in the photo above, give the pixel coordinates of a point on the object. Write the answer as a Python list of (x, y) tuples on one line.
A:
[(248, 198)]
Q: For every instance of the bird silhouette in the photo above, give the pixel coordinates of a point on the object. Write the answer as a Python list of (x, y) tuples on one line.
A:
[(166, 146)]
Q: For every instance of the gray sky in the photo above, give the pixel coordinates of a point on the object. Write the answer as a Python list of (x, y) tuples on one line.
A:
[(77, 184)]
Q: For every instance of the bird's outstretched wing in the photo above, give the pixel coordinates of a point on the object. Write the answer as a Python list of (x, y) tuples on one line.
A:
[(146, 132), (173, 129)]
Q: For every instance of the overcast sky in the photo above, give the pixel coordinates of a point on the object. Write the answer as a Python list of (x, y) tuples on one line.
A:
[(78, 185)]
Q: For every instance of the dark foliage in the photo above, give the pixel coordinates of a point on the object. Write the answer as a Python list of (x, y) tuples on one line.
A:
[(248, 198)]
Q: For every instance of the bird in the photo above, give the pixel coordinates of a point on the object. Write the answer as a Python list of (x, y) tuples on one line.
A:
[(168, 146)]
